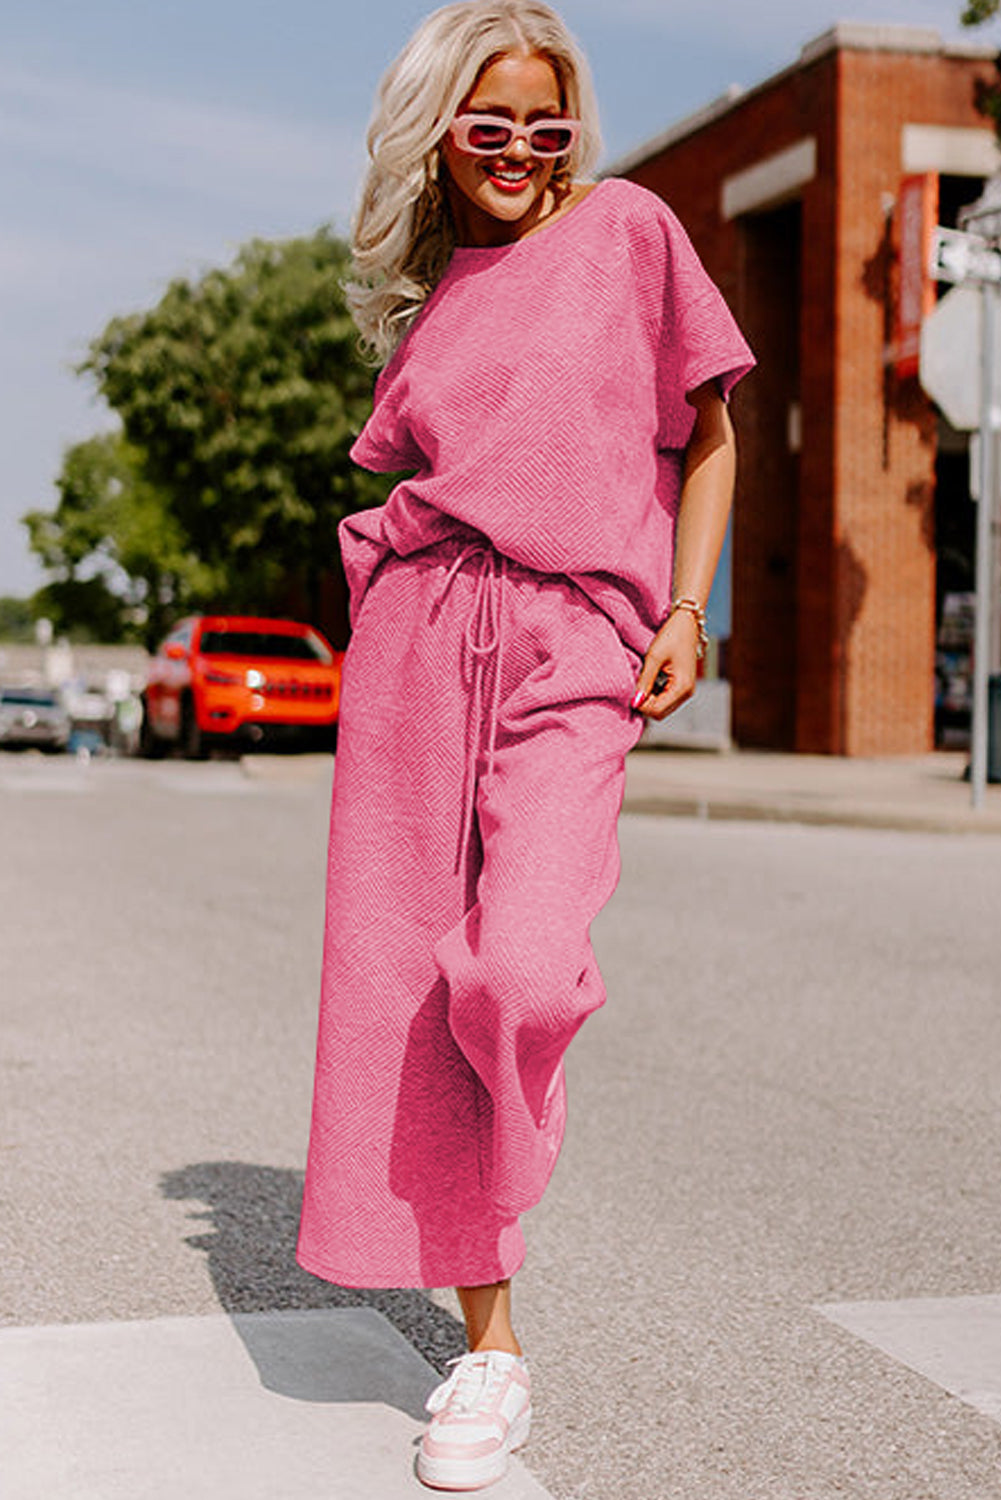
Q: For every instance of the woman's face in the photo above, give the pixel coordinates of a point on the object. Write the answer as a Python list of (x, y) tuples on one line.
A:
[(496, 199)]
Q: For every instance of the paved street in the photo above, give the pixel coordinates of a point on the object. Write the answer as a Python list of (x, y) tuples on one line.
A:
[(767, 1267)]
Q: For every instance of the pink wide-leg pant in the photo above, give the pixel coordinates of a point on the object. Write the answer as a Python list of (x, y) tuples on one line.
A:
[(485, 721)]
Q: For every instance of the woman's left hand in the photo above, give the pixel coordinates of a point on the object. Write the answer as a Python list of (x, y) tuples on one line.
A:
[(673, 651)]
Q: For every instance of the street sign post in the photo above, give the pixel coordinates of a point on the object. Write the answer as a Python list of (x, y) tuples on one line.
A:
[(990, 421), (955, 342)]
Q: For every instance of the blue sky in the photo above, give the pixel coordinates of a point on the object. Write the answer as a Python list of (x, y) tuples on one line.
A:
[(141, 141)]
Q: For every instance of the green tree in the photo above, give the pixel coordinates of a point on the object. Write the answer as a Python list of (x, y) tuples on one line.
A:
[(977, 12), (120, 564), (17, 619), (988, 93), (243, 392)]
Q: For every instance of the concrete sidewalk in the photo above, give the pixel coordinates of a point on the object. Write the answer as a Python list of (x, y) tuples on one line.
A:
[(316, 1405), (924, 793)]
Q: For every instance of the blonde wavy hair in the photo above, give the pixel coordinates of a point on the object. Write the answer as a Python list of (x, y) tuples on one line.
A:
[(403, 236)]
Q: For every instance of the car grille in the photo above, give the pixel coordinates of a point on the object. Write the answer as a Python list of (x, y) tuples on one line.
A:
[(291, 688)]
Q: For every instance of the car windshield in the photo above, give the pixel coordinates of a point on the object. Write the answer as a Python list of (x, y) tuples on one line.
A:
[(264, 643), (29, 697)]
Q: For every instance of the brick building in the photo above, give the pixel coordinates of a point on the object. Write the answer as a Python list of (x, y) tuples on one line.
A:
[(853, 516)]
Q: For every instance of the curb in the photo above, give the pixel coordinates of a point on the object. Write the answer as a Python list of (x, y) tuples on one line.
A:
[(723, 808)]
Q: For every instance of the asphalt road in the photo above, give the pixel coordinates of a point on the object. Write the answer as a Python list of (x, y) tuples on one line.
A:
[(790, 1100)]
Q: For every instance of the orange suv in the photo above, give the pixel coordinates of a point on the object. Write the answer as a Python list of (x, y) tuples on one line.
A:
[(232, 679)]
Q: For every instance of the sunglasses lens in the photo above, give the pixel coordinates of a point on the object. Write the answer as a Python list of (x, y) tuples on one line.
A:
[(551, 140), (488, 137)]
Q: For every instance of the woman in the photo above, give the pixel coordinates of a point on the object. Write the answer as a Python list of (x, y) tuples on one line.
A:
[(558, 363)]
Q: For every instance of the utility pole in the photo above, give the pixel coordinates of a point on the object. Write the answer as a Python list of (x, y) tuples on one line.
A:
[(969, 257), (983, 221), (983, 632)]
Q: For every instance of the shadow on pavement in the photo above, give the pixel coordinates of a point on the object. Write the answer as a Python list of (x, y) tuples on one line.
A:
[(252, 1220)]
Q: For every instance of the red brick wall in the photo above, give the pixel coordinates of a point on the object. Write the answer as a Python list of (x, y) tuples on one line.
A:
[(861, 613), (817, 574), (885, 432)]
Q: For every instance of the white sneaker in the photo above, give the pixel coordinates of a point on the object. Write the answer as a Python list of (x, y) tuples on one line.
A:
[(480, 1415)]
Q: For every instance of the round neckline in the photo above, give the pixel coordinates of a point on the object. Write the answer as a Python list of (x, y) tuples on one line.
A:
[(551, 226)]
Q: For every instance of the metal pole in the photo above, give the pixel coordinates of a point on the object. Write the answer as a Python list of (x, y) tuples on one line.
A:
[(985, 514)]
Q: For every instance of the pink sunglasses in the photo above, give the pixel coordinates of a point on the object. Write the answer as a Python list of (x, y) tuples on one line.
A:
[(489, 135)]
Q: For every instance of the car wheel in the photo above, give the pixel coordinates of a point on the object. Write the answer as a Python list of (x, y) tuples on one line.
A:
[(151, 746), (193, 741)]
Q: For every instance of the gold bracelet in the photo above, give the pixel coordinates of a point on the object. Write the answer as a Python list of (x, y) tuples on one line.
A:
[(694, 608)]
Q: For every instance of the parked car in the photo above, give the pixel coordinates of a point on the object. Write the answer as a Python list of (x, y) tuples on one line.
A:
[(92, 716), (33, 716), (240, 679)]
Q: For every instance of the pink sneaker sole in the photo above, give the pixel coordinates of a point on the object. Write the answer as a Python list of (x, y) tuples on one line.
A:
[(442, 1473)]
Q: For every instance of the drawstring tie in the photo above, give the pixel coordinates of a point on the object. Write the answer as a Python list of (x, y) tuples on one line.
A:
[(483, 638)]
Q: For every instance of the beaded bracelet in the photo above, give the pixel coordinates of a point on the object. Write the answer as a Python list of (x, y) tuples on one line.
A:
[(695, 609)]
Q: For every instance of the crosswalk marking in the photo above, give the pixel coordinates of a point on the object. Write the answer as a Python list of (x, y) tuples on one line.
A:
[(954, 1341)]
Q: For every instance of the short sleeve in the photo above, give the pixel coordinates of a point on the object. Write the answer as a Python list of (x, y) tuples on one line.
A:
[(697, 338), (385, 444)]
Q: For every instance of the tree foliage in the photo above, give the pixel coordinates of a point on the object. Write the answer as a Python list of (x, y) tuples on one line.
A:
[(987, 91), (119, 560), (976, 12), (17, 619), (242, 393)]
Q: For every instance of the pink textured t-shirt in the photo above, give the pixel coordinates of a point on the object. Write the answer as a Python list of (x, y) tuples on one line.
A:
[(539, 399)]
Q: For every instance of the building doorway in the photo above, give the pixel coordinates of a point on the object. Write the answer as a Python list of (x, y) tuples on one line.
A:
[(765, 549), (955, 562)]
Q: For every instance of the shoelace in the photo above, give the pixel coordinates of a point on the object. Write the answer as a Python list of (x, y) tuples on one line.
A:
[(483, 638), (474, 1379)]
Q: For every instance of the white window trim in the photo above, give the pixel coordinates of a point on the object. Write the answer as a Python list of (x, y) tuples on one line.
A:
[(771, 181), (956, 150)]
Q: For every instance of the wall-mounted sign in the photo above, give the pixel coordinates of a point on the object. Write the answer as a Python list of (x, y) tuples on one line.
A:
[(951, 353), (958, 257), (917, 221)]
